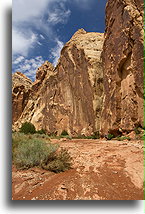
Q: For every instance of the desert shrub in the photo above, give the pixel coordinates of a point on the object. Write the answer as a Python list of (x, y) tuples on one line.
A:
[(121, 138), (27, 128), (18, 138), (96, 135), (59, 163), (109, 136), (40, 136), (29, 151), (64, 133), (41, 131), (54, 166), (137, 130), (32, 153)]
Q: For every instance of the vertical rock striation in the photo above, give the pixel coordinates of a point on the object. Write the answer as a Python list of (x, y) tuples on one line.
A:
[(33, 107), (123, 66), (70, 97), (21, 89)]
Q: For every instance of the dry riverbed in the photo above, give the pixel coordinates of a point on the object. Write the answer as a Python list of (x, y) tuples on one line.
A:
[(101, 170)]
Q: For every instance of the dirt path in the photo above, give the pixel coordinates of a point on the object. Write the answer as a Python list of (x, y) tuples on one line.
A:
[(102, 170)]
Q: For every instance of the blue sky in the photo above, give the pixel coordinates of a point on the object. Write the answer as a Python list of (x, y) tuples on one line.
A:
[(42, 27)]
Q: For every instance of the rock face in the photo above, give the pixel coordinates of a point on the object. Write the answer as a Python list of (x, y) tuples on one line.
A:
[(123, 66), (81, 95), (33, 106), (42, 73), (70, 97), (21, 88)]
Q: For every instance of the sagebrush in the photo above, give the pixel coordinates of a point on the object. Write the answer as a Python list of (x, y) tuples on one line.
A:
[(28, 152)]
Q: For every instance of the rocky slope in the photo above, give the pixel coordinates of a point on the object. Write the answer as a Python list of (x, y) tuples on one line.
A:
[(123, 66), (70, 97), (21, 89)]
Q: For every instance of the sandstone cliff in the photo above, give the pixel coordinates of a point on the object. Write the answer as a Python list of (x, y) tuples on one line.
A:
[(82, 96), (21, 88), (33, 107), (70, 97), (123, 66)]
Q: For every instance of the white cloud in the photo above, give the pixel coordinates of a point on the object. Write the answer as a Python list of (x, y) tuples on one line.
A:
[(25, 67), (27, 10), (39, 43), (29, 66), (28, 16), (55, 52), (21, 43), (59, 15), (18, 60), (41, 36), (39, 58)]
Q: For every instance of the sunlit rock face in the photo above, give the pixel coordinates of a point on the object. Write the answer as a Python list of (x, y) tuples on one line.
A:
[(97, 84), (21, 89), (123, 66), (70, 95), (74, 95), (32, 107)]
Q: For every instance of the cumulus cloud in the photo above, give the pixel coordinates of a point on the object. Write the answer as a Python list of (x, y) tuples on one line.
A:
[(28, 66), (28, 17), (21, 42), (18, 60), (26, 14), (31, 16), (27, 10), (55, 52)]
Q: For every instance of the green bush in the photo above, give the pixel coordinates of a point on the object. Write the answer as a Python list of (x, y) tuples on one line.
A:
[(17, 138), (31, 153), (40, 136), (27, 128), (64, 133), (28, 152), (55, 166), (109, 136), (137, 130), (122, 138), (42, 131), (59, 163), (96, 135)]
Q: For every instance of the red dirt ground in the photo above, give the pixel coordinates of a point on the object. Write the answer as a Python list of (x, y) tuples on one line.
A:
[(102, 170)]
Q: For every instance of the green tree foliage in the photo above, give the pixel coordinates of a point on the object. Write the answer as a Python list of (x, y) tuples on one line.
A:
[(27, 128), (64, 133)]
